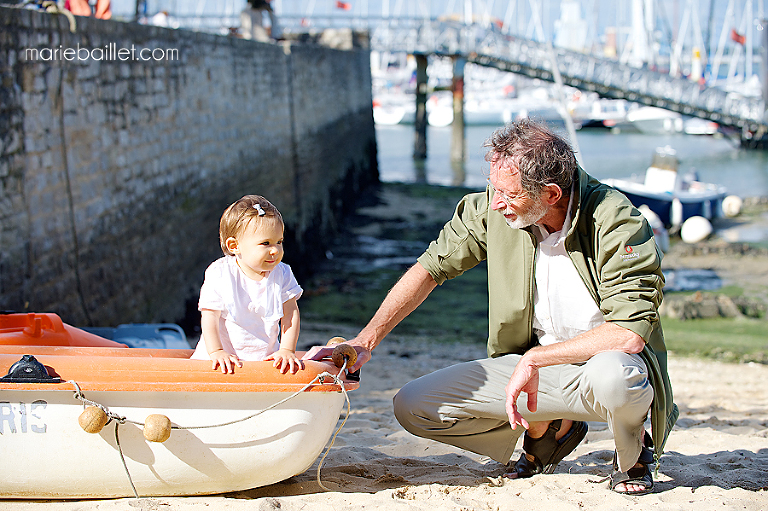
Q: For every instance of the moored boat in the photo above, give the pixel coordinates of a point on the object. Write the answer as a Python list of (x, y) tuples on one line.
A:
[(602, 113), (392, 109), (654, 120), (228, 432), (673, 197)]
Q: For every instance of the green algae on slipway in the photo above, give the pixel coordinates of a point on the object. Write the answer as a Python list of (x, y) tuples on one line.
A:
[(397, 222)]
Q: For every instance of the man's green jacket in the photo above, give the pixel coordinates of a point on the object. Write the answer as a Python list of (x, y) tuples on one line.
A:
[(611, 246)]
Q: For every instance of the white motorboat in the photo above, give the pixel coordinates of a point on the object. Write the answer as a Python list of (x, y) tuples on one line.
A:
[(602, 113), (392, 109), (654, 120), (697, 126), (673, 197)]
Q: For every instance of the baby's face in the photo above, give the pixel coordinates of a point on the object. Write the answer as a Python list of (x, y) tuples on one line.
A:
[(259, 248)]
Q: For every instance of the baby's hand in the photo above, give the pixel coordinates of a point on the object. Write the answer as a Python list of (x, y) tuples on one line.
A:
[(227, 362), (284, 360)]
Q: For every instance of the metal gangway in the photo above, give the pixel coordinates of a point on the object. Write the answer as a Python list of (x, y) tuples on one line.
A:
[(486, 45)]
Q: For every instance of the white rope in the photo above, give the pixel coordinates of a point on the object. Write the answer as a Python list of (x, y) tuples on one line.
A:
[(333, 438), (119, 419), (122, 458)]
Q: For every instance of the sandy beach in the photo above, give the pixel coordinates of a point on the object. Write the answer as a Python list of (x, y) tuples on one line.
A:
[(717, 456)]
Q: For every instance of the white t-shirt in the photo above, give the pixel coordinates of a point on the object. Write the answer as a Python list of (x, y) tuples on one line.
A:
[(250, 310), (563, 307)]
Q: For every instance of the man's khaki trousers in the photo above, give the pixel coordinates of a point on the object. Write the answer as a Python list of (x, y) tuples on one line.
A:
[(463, 405)]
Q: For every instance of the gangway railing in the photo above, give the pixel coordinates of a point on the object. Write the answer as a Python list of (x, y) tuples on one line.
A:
[(488, 46)]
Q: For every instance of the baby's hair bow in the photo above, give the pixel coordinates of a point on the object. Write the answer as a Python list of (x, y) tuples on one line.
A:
[(258, 208)]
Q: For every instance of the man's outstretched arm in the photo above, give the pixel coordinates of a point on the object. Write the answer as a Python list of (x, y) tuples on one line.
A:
[(407, 294)]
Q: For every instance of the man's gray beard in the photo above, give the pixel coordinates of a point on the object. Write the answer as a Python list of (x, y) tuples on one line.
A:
[(530, 217)]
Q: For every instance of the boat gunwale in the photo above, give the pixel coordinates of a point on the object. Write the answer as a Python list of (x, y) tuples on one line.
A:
[(633, 187), (90, 386), (159, 370)]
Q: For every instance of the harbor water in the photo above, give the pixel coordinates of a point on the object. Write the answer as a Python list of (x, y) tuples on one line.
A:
[(603, 154)]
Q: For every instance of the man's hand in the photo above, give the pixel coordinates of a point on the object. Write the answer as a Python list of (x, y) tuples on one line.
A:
[(525, 378), (321, 352)]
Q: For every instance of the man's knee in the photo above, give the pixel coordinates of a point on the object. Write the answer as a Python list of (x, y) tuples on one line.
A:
[(404, 404), (619, 380)]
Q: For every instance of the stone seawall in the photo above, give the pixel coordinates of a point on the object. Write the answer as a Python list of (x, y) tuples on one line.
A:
[(114, 172)]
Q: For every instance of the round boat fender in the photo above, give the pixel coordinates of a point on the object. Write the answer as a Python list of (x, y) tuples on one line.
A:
[(93, 419), (157, 428), (342, 351), (695, 229), (732, 206)]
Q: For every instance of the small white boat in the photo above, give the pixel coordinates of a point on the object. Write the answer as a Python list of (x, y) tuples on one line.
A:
[(697, 126), (390, 115), (673, 197), (392, 109), (654, 120), (602, 113), (229, 431), (440, 109)]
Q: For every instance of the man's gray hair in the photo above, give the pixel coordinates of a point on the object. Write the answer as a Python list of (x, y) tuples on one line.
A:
[(541, 156)]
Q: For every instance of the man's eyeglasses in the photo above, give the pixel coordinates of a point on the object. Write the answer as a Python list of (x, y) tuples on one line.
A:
[(506, 198)]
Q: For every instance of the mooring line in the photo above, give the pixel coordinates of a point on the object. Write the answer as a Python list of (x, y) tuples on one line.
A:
[(119, 419)]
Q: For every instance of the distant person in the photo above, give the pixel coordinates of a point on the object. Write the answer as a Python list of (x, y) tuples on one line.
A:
[(252, 23), (575, 283), (248, 297), (83, 8)]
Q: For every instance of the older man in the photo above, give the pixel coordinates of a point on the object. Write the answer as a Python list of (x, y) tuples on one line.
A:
[(574, 280)]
